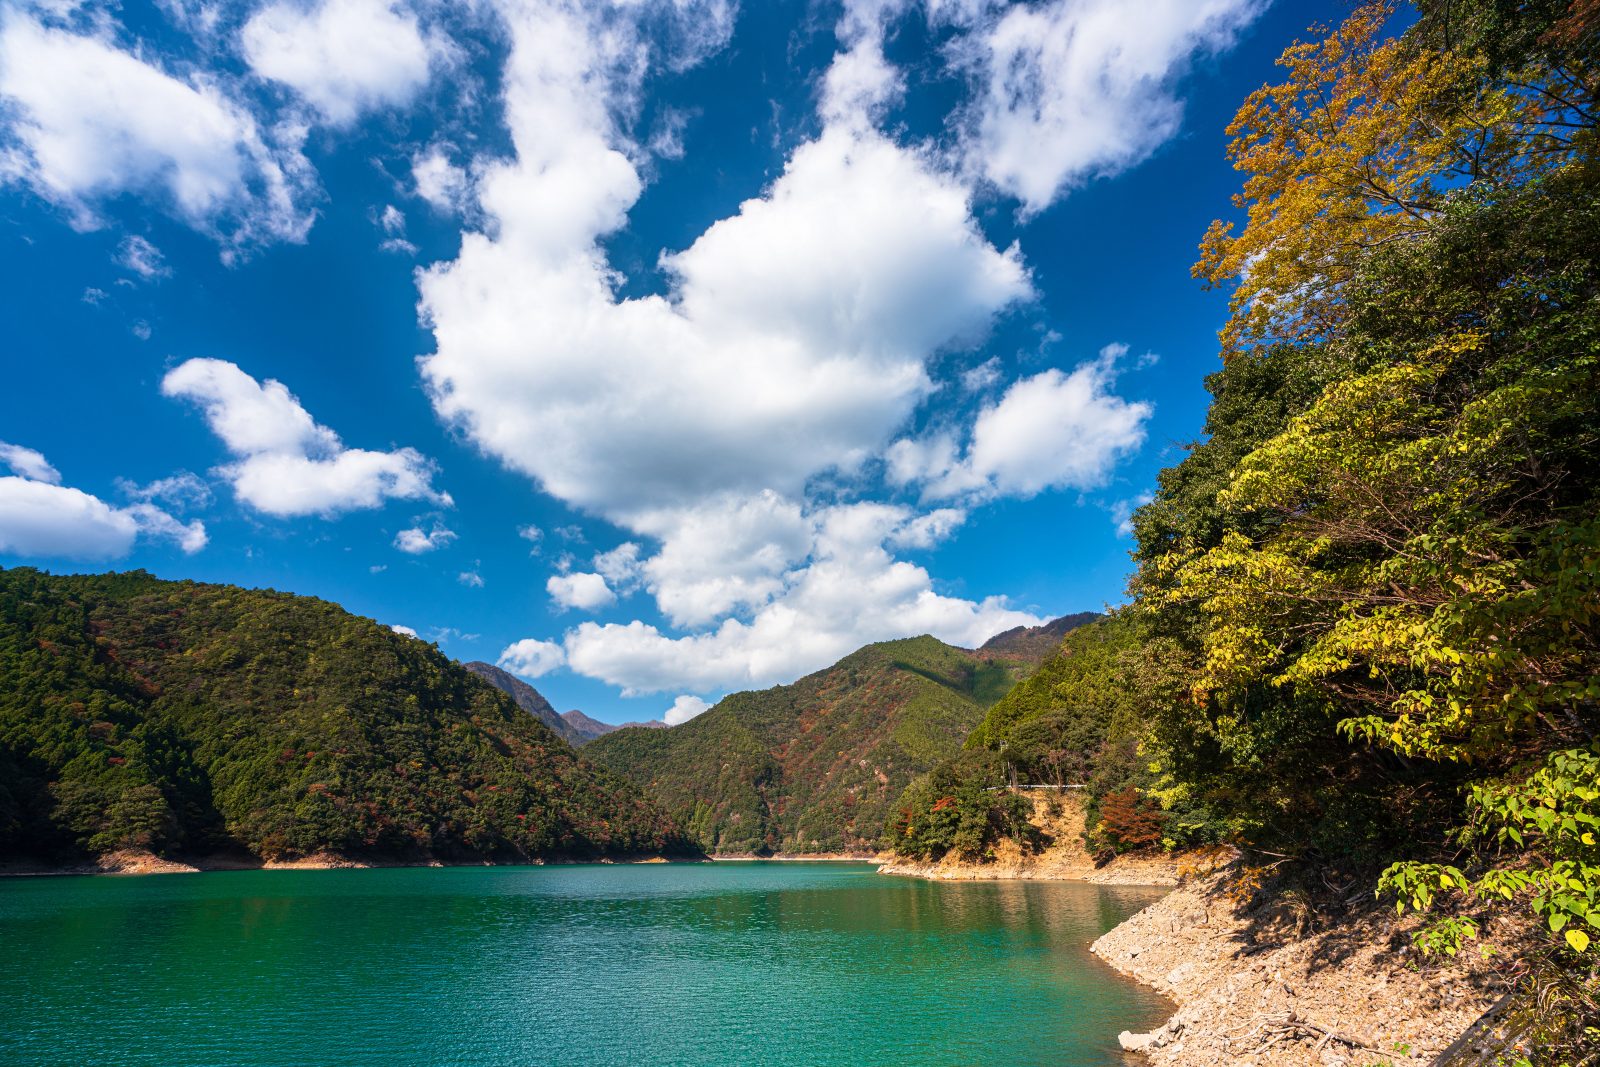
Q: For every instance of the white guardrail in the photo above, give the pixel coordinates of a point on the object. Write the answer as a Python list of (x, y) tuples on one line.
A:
[(1020, 788)]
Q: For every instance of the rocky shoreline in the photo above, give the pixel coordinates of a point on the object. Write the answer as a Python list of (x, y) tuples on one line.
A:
[(128, 862), (139, 862), (1266, 984), (798, 857), (1124, 870)]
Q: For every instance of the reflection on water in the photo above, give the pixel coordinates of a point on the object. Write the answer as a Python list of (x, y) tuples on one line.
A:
[(758, 963)]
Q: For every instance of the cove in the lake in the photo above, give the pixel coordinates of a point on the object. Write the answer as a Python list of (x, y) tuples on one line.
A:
[(747, 963)]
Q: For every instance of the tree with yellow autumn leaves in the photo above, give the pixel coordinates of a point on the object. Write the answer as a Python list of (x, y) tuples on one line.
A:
[(1384, 561)]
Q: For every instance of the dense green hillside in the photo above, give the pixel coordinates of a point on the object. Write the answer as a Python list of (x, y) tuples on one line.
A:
[(188, 717), (1065, 706), (814, 766)]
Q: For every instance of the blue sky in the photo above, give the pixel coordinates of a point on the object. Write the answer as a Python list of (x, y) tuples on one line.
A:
[(655, 350)]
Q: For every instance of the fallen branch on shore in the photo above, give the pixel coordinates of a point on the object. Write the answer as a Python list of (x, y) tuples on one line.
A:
[(1286, 1025)]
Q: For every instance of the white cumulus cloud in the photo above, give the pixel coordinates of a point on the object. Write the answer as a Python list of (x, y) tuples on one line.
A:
[(440, 182), (683, 709), (1076, 89), (532, 658), (798, 330), (1054, 430), (794, 343), (416, 540), (583, 590), (724, 555), (343, 57), (41, 518), (286, 463), (83, 121), (850, 591), (28, 463)]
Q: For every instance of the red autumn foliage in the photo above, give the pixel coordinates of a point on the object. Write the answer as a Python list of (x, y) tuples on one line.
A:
[(1130, 821)]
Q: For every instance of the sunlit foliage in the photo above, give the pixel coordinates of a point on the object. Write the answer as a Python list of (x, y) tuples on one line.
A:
[(1384, 563)]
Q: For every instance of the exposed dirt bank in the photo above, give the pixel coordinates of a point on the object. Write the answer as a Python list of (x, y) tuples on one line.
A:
[(1124, 870), (1272, 984), (838, 857), (1061, 820)]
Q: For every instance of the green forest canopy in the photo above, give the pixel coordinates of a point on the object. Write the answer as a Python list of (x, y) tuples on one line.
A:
[(177, 716)]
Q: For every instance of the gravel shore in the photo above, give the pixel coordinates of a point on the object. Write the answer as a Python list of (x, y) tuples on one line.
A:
[(1270, 984)]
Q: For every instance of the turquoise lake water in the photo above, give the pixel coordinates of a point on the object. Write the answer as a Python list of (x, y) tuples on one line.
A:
[(695, 964)]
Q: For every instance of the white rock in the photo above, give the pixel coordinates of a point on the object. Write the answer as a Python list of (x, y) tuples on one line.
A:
[(1132, 1042)]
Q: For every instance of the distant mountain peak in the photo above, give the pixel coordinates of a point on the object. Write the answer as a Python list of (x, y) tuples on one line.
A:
[(574, 727), (1037, 642), (527, 697), (585, 728)]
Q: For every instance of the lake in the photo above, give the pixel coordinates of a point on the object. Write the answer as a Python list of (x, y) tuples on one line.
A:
[(696, 964)]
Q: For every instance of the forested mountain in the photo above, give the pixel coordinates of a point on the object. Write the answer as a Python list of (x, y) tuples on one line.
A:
[(1078, 720), (526, 696), (817, 765), (575, 727), (185, 717)]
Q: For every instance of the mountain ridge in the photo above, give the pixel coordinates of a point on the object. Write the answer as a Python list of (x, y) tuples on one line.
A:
[(1039, 642), (816, 765)]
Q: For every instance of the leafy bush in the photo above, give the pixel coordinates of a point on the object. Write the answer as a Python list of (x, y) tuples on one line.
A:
[(1129, 821)]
